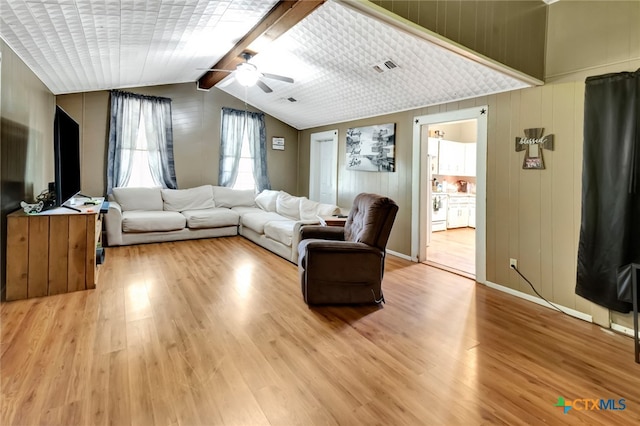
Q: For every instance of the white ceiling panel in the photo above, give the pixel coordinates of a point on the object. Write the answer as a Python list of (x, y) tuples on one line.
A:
[(87, 45)]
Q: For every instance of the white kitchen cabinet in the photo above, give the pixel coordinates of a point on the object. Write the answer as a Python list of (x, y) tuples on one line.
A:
[(472, 212), (470, 159), (458, 212), (456, 158), (451, 158)]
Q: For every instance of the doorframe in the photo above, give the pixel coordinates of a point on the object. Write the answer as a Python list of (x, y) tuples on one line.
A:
[(314, 140), (421, 191)]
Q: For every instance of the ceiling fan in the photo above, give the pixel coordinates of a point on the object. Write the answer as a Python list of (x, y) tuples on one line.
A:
[(247, 75)]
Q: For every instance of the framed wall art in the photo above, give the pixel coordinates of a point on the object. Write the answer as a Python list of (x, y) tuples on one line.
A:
[(372, 148), (277, 143)]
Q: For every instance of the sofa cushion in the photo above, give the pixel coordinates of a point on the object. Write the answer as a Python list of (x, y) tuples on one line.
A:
[(242, 210), (178, 200), (229, 197), (138, 198), (257, 221), (266, 200), (211, 218), (150, 221), (280, 230), (328, 209), (310, 210), (288, 205)]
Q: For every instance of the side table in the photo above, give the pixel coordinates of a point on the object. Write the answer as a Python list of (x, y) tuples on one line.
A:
[(332, 220)]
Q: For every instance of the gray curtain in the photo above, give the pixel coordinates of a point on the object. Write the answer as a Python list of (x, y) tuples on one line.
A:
[(127, 110), (258, 148), (235, 124)]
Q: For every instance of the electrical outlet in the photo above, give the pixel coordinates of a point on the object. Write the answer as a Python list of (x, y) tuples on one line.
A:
[(513, 263)]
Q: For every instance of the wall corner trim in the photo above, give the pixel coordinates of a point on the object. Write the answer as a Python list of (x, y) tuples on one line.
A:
[(401, 256)]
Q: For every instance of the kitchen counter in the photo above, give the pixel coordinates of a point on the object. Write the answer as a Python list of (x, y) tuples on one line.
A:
[(454, 194), (457, 210)]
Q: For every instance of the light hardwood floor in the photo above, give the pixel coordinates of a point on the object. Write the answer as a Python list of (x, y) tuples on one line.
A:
[(215, 332), (455, 249)]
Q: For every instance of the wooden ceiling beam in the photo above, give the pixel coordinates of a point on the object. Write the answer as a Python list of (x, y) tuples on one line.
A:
[(283, 16)]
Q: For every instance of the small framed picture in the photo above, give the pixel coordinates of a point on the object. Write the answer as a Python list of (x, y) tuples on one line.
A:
[(536, 161), (277, 143)]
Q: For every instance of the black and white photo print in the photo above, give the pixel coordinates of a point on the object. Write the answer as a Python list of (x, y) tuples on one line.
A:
[(372, 148)]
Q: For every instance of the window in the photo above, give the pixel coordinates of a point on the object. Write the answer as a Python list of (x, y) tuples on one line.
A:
[(243, 154), (245, 179), (140, 175), (140, 142)]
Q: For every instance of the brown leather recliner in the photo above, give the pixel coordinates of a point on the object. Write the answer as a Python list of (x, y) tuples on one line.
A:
[(345, 265)]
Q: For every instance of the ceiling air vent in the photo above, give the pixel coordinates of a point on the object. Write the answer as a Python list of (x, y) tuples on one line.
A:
[(386, 65)]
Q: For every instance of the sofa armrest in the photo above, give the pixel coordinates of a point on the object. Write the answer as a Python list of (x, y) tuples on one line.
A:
[(113, 224), (295, 237), (334, 233)]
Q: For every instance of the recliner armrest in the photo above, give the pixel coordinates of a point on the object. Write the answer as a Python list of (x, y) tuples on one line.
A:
[(339, 246), (332, 233)]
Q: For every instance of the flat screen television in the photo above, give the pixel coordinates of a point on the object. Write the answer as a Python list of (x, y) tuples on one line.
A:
[(66, 141)]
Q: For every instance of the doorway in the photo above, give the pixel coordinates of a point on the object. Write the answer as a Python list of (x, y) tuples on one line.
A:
[(449, 219), (452, 150), (323, 167)]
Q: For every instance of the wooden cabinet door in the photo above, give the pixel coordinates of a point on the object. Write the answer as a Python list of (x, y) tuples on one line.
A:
[(50, 254)]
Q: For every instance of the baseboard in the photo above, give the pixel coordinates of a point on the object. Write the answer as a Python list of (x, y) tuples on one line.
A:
[(401, 256), (541, 302), (624, 330)]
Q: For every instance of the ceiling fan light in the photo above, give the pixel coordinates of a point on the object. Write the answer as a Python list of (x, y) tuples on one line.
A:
[(246, 75)]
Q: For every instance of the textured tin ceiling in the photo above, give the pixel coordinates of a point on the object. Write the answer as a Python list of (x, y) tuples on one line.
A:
[(86, 45), (331, 54)]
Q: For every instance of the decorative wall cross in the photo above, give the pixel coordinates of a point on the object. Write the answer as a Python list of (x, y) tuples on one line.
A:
[(532, 143)]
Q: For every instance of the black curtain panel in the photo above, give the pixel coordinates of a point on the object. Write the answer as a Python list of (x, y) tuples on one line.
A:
[(610, 228)]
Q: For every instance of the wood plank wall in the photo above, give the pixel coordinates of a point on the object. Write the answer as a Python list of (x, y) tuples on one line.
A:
[(511, 32), (26, 132)]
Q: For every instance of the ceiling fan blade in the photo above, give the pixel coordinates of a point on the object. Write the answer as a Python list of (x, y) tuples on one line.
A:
[(278, 77), (264, 87)]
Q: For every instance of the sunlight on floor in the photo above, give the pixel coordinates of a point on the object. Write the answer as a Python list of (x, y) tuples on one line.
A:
[(454, 248), (244, 275), (137, 297)]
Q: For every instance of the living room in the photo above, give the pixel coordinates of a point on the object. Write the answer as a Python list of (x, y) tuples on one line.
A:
[(531, 215)]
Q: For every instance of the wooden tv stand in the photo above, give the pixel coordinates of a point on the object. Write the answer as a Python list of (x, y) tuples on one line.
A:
[(52, 252)]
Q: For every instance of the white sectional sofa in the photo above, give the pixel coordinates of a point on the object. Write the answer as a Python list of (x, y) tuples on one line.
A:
[(271, 219)]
